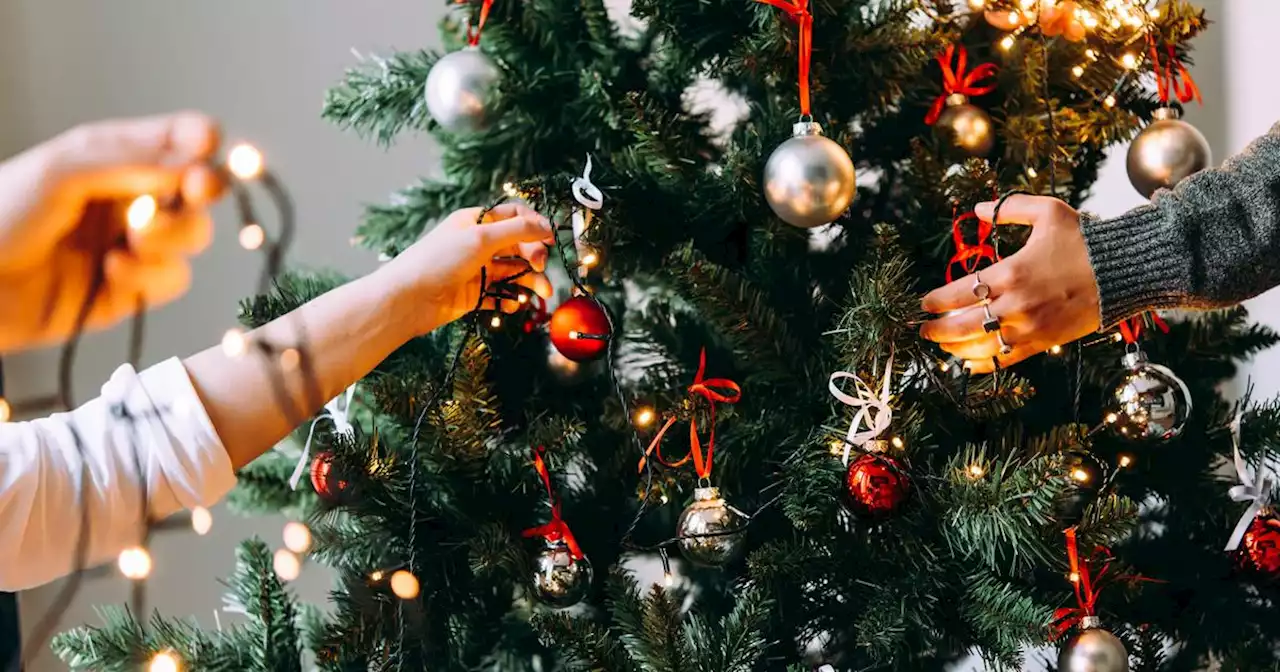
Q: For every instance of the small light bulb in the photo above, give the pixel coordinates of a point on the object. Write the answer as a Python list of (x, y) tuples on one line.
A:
[(165, 661), (837, 447), (286, 564), (664, 499), (1154, 13), (245, 162), (495, 321), (1028, 4), (1089, 20), (573, 335), (1032, 173), (142, 211), (234, 343), (668, 579), (252, 236), (1073, 577), (1015, 18), (375, 575), (1109, 101), (1129, 60), (404, 584), (976, 471), (509, 189), (201, 520), (297, 537), (1112, 418), (897, 442), (1125, 460), (135, 563), (1115, 23), (1091, 54), (1007, 42), (1117, 337), (1077, 71), (290, 358), (589, 259), (1080, 475), (1056, 350), (978, 4), (6, 411), (644, 417), (522, 298)]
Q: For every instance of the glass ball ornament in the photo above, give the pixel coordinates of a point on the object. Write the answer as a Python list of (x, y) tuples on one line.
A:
[(327, 484), (561, 580), (1260, 548), (965, 127), (580, 329), (459, 88), (710, 514), (1149, 402), (809, 180), (876, 486), (1093, 649), (1167, 151)]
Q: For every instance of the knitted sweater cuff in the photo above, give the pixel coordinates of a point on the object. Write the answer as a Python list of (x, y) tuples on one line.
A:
[(1137, 263)]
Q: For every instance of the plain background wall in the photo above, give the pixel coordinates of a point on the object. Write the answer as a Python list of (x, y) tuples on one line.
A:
[(262, 67)]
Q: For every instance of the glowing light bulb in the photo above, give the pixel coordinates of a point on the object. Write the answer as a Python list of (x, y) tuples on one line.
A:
[(509, 189), (1125, 460), (201, 520), (404, 584), (897, 442), (664, 499), (495, 321), (1031, 172), (1056, 350), (978, 4), (1109, 101), (589, 259), (375, 575), (522, 298), (290, 358), (1112, 418), (135, 563), (976, 471), (1007, 42), (1077, 71), (1080, 475), (1129, 60), (1091, 54), (1154, 13), (837, 447), (574, 335), (1015, 18), (245, 162), (1073, 577), (644, 417), (165, 661), (1028, 4), (252, 236), (668, 579), (1089, 20), (297, 537), (6, 411), (234, 343), (1117, 337), (286, 564), (142, 211)]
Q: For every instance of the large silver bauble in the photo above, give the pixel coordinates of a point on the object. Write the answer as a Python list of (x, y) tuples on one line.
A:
[(965, 127), (1149, 402), (1093, 650), (1166, 152), (809, 179), (710, 515), (458, 90), (560, 580)]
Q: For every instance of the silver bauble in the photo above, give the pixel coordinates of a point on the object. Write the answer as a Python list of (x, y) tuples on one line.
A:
[(1166, 152), (710, 515), (560, 580), (1149, 402), (1093, 650), (809, 179), (965, 127), (458, 90)]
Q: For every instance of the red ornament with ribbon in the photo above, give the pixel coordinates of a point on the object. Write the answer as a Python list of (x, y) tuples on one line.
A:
[(1256, 537), (1148, 402), (562, 574), (1169, 149), (962, 125)]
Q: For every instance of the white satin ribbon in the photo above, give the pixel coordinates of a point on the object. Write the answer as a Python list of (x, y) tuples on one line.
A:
[(1256, 489), (586, 193), (336, 411), (873, 409)]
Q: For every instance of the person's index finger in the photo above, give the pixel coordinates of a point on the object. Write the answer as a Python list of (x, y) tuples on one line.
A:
[(959, 293), (513, 231), (508, 210), (1019, 209), (169, 140)]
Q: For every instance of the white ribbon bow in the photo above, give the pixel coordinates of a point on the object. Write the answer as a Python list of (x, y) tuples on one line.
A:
[(586, 193), (872, 409), (1250, 490), (337, 411)]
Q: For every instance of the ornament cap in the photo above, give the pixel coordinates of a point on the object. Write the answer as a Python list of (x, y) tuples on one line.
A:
[(1090, 623), (803, 128), (1166, 113), (706, 494), (1134, 359), (957, 99)]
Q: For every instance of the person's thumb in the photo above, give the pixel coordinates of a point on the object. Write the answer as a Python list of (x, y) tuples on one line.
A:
[(1019, 209), (523, 228)]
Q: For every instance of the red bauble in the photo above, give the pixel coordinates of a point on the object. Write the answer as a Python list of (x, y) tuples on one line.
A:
[(1260, 548), (580, 329), (326, 483), (877, 486)]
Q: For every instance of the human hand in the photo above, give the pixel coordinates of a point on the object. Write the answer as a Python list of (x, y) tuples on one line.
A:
[(63, 209), (1044, 295), (440, 273)]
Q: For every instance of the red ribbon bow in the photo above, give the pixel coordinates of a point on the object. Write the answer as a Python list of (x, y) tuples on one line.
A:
[(538, 314), (1086, 587), (556, 529), (713, 390), (1131, 329), (798, 10), (473, 32), (958, 81), (969, 256), (1174, 77)]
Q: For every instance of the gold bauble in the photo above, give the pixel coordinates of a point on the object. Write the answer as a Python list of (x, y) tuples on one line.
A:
[(809, 180), (965, 127), (1166, 152), (1093, 650)]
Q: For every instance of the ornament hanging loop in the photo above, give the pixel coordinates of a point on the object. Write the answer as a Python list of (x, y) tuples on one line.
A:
[(872, 409), (798, 10), (1255, 489)]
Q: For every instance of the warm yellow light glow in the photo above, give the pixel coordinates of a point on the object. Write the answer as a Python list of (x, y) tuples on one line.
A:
[(1056, 350), (286, 564), (1125, 460), (201, 520), (297, 537), (897, 442), (234, 343), (1015, 18), (1117, 337), (976, 471), (1109, 101), (509, 189), (1129, 60), (1080, 475), (664, 499), (376, 575), (668, 579), (6, 411), (404, 584), (1077, 71), (644, 417), (1073, 577), (1007, 42), (589, 259), (574, 335), (522, 298), (1028, 4), (135, 563), (290, 358), (1154, 13), (978, 4), (1112, 418), (1089, 20), (945, 366), (1091, 54), (245, 162), (165, 661), (495, 321), (836, 447), (252, 236), (141, 212)]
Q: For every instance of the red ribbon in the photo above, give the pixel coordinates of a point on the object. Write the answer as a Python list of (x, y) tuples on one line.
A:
[(473, 32), (969, 256), (798, 10), (539, 315), (557, 529), (1131, 329), (1086, 587), (958, 81), (713, 390), (1174, 77)]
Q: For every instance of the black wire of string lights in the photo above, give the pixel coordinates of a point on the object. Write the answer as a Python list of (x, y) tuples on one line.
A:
[(244, 165)]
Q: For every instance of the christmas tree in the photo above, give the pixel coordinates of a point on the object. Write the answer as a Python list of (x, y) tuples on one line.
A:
[(851, 496)]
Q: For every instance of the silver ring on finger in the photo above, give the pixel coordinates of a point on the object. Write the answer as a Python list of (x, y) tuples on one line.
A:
[(981, 290), (991, 325)]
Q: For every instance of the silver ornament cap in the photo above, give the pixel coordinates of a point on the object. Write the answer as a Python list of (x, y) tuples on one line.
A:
[(561, 580), (1149, 402), (809, 180), (965, 127), (458, 90), (712, 533), (1166, 152), (1093, 649)]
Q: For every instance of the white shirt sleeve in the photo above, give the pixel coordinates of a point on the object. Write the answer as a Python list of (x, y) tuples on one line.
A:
[(169, 453)]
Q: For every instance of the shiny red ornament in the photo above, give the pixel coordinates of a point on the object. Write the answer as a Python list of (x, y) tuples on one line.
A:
[(327, 485), (580, 329), (877, 486), (1260, 548)]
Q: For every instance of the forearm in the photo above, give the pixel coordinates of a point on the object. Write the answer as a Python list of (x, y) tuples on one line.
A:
[(254, 401), (1213, 240)]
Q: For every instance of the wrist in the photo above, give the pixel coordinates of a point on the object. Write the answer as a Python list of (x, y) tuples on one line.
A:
[(401, 300)]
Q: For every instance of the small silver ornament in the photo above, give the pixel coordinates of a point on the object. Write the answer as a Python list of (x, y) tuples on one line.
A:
[(1149, 402), (710, 514), (1166, 152), (560, 580), (966, 127), (809, 179), (1093, 650), (458, 90)]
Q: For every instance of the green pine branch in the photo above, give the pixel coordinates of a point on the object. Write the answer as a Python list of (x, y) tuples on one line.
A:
[(382, 97)]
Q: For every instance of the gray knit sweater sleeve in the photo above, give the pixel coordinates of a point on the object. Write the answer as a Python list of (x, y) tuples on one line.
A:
[(1213, 240)]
